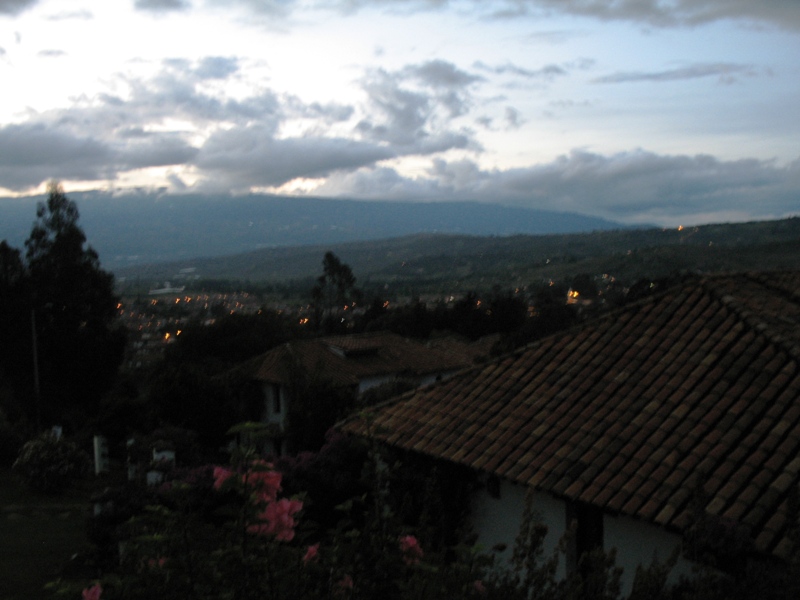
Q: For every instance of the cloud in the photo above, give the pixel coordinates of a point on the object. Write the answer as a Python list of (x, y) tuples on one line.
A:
[(513, 118), (217, 67), (724, 72), (441, 74), (30, 154), (82, 15), (33, 153), (14, 7), (270, 8), (652, 13), (413, 108), (633, 187), (547, 72), (657, 13), (244, 157), (161, 5), (51, 53), (402, 113)]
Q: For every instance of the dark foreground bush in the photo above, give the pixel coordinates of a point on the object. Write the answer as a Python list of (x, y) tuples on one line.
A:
[(50, 464)]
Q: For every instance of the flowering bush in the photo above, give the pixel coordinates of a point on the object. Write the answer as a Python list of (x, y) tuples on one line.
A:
[(93, 593), (49, 463), (410, 548)]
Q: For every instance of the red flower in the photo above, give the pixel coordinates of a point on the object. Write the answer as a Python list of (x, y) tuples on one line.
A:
[(409, 546), (343, 587), (278, 520), (266, 484), (221, 475), (93, 593), (312, 554), (478, 586)]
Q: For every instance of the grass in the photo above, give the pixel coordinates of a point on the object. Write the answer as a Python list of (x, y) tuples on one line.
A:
[(38, 535)]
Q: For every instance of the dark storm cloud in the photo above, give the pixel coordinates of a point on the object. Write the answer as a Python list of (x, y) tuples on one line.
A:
[(634, 187), (13, 7), (724, 72), (154, 150), (33, 153), (244, 157), (161, 5), (642, 186), (30, 154)]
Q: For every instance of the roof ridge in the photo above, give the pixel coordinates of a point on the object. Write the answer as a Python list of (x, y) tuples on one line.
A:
[(750, 317)]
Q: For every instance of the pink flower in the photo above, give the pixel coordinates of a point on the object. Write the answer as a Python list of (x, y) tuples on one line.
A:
[(409, 546), (278, 519), (221, 475), (478, 586), (312, 554), (266, 484), (93, 593), (343, 587)]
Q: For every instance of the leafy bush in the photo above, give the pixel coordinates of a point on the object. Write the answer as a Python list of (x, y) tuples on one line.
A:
[(50, 464)]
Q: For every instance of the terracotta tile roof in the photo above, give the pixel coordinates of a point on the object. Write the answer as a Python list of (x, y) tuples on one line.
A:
[(349, 359), (700, 384)]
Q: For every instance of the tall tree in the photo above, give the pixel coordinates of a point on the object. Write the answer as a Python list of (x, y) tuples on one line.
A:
[(74, 307), (16, 375), (334, 292)]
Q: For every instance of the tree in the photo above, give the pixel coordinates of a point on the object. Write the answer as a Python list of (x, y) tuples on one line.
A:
[(334, 292), (16, 378), (74, 306)]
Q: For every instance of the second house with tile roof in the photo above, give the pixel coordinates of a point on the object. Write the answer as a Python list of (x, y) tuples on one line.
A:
[(351, 363)]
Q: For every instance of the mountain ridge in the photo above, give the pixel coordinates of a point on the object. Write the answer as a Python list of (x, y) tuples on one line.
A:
[(153, 228)]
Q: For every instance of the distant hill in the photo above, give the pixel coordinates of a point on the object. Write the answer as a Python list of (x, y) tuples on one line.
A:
[(442, 264), (140, 229)]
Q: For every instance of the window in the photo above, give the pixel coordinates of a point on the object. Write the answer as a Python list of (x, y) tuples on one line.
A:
[(586, 523), (276, 400)]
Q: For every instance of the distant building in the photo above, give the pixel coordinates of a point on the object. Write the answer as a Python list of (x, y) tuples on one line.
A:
[(353, 362)]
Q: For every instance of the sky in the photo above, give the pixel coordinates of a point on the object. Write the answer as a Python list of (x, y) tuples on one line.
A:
[(668, 112)]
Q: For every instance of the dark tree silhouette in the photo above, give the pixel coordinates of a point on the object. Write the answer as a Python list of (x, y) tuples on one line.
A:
[(73, 306), (334, 291), (16, 362)]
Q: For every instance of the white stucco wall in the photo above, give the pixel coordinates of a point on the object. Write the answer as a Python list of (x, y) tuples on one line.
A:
[(371, 382), (270, 414), (497, 520), (639, 543)]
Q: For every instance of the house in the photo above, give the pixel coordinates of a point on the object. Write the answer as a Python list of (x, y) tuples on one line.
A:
[(354, 362), (681, 408)]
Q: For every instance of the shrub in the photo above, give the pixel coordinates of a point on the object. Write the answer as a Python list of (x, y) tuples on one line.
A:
[(50, 464)]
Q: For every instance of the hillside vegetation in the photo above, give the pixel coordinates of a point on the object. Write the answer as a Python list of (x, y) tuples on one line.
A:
[(433, 263)]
